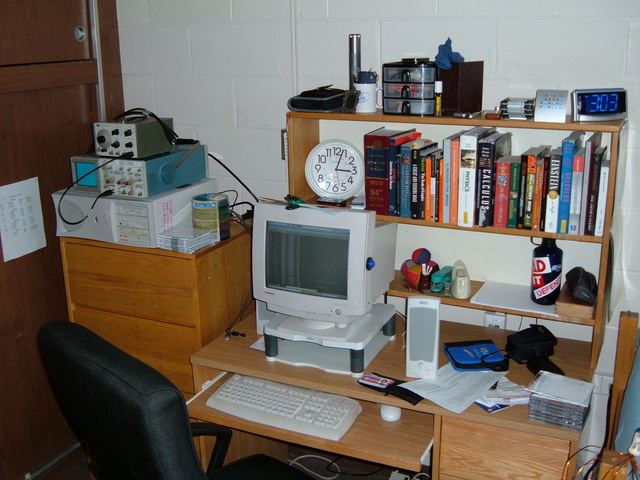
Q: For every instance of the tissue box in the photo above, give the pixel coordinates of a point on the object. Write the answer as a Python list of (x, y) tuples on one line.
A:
[(462, 87)]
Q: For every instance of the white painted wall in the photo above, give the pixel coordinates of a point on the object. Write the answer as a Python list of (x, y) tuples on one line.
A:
[(224, 69)]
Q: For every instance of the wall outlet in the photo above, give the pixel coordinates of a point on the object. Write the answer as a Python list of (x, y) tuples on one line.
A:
[(495, 320)]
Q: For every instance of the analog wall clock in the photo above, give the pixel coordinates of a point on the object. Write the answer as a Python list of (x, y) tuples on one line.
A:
[(335, 169)]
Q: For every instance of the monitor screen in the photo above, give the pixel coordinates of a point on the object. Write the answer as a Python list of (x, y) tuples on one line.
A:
[(296, 259), (86, 174)]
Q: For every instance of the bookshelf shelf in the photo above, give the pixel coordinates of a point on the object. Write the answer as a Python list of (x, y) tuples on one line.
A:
[(306, 130)]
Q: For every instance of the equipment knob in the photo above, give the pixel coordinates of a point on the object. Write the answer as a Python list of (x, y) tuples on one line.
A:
[(370, 263)]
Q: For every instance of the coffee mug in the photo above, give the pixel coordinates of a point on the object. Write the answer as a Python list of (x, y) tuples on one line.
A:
[(367, 97)]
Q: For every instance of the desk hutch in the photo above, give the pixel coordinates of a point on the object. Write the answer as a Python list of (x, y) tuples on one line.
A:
[(306, 130)]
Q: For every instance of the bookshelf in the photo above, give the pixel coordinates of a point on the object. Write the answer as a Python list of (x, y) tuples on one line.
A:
[(306, 130)]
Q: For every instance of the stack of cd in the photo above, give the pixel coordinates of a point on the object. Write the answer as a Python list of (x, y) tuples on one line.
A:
[(517, 108), (186, 239), (559, 400)]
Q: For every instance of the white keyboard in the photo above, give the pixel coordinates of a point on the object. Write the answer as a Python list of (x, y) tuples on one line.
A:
[(293, 408)]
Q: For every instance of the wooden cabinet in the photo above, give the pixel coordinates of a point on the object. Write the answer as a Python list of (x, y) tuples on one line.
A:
[(46, 31), (306, 130), (489, 452), (158, 305)]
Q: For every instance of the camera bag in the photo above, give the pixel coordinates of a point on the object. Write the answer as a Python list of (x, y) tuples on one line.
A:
[(532, 342)]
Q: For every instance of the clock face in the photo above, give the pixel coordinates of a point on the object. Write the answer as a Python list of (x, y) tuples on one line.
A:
[(599, 104), (335, 169)]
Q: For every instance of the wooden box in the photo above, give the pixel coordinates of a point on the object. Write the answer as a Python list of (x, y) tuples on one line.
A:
[(568, 306), (462, 87)]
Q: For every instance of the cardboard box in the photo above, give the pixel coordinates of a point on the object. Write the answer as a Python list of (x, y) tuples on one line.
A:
[(462, 87)]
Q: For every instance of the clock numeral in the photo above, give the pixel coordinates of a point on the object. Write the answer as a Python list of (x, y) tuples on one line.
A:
[(320, 178)]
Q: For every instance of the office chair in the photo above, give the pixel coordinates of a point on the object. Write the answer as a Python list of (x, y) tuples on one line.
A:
[(133, 420)]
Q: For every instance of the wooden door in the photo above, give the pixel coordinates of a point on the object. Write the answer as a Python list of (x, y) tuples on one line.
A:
[(47, 105)]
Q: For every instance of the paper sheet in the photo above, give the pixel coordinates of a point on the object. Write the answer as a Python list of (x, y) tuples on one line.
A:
[(454, 390), (21, 219)]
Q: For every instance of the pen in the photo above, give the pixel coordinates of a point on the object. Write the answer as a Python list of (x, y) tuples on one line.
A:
[(466, 114)]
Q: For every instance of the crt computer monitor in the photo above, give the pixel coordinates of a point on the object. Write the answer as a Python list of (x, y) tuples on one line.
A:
[(326, 266)]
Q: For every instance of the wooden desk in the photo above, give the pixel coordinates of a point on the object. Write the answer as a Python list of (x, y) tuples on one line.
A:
[(474, 444)]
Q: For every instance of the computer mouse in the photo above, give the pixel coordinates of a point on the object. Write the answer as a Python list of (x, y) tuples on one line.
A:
[(389, 413)]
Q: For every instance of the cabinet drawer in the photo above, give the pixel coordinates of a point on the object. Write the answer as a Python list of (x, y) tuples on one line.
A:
[(472, 450), (164, 346), (132, 283)]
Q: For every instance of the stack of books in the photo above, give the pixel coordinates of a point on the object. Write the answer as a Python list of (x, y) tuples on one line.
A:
[(473, 178), (559, 400), (187, 239)]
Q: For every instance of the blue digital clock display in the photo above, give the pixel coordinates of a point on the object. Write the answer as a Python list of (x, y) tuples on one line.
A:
[(599, 104)]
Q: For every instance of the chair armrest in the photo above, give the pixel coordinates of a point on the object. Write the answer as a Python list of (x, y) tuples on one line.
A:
[(223, 436)]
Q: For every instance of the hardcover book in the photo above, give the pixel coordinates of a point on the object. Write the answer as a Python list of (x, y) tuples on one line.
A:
[(575, 205), (601, 207), (419, 151), (467, 180), (530, 158), (395, 144), (491, 147), (553, 191), (594, 189), (450, 148), (454, 180), (539, 193), (569, 146), (502, 190), (436, 158), (514, 193), (589, 147), (376, 156)]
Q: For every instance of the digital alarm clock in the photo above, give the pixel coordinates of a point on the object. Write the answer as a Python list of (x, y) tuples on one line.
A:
[(600, 104)]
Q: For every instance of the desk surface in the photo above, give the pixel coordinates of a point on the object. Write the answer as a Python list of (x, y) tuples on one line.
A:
[(400, 444)]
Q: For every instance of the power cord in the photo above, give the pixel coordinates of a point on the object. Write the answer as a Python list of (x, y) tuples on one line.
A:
[(106, 193), (234, 176)]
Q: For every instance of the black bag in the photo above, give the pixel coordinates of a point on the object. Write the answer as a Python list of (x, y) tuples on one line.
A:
[(321, 99), (533, 346), (535, 341)]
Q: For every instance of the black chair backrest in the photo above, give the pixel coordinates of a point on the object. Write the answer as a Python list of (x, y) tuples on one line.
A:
[(133, 420)]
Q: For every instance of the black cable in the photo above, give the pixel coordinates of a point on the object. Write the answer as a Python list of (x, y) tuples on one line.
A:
[(106, 193), (171, 135), (234, 176), (328, 468), (229, 331)]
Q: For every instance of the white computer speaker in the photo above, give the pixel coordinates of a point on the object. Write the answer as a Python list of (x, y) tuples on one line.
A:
[(423, 337)]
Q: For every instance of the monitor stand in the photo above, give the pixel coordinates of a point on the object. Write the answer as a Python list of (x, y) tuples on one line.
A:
[(337, 350)]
